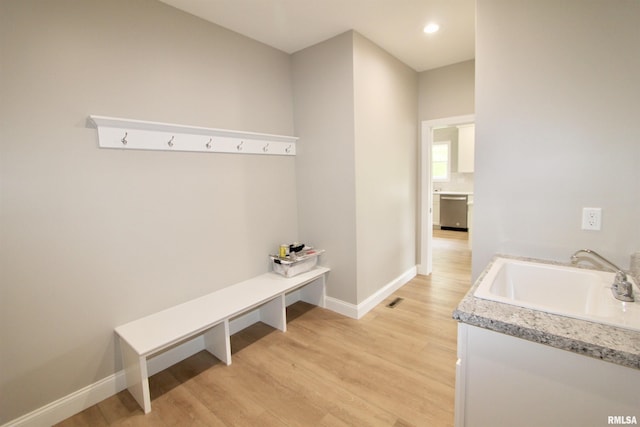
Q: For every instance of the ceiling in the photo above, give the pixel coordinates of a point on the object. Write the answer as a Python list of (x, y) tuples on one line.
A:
[(394, 25)]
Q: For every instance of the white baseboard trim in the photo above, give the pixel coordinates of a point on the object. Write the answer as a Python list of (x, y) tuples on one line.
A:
[(73, 403), (88, 396), (341, 307), (357, 311), (423, 270), (368, 304)]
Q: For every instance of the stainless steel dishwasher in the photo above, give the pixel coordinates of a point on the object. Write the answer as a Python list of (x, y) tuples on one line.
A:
[(453, 212)]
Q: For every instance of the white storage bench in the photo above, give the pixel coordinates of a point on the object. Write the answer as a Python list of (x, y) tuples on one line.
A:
[(209, 316)]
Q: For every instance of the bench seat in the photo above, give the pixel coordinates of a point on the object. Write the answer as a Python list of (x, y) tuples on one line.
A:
[(209, 315)]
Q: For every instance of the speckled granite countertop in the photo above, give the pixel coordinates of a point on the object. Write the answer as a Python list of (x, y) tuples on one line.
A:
[(608, 343)]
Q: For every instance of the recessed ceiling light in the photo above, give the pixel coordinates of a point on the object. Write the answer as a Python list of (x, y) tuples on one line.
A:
[(431, 28)]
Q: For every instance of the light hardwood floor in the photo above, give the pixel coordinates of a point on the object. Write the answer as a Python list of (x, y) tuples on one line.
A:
[(393, 367)]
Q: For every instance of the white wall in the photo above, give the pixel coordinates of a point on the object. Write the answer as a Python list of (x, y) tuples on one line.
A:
[(556, 128), (93, 238), (386, 136)]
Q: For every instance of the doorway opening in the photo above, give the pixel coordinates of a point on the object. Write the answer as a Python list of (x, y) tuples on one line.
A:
[(428, 129)]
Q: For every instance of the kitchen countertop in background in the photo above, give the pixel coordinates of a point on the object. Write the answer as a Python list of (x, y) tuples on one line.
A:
[(456, 193)]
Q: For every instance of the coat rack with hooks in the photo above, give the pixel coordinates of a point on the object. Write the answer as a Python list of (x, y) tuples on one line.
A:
[(143, 135)]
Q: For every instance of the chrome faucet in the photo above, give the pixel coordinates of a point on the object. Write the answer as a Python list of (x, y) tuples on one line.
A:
[(622, 289)]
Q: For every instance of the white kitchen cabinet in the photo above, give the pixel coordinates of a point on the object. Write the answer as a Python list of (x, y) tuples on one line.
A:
[(436, 209), (502, 380), (466, 147)]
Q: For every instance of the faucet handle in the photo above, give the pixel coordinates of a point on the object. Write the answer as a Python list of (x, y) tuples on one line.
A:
[(623, 291), (621, 276)]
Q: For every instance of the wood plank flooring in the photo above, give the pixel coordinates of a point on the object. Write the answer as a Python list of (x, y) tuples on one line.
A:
[(393, 367)]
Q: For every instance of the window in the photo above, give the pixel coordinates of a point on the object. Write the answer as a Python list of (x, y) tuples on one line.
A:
[(441, 161)]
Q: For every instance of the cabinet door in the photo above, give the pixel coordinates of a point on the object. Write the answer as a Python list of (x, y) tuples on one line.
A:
[(436, 209), (507, 381), (466, 147)]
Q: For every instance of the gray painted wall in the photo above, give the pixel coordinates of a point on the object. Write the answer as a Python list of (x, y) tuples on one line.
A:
[(444, 92), (324, 122), (93, 238), (556, 128), (386, 161), (447, 91), (355, 113)]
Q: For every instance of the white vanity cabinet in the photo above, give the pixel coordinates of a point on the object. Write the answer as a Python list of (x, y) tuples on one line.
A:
[(502, 380), (436, 209), (466, 147)]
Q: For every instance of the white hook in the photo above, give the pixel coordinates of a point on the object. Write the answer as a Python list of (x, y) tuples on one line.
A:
[(170, 143), (240, 146), (209, 143), (288, 149), (265, 148), (124, 139)]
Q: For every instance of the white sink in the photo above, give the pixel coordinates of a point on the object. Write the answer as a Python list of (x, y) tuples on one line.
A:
[(567, 291)]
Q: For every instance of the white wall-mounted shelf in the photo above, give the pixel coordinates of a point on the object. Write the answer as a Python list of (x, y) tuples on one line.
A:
[(129, 134)]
